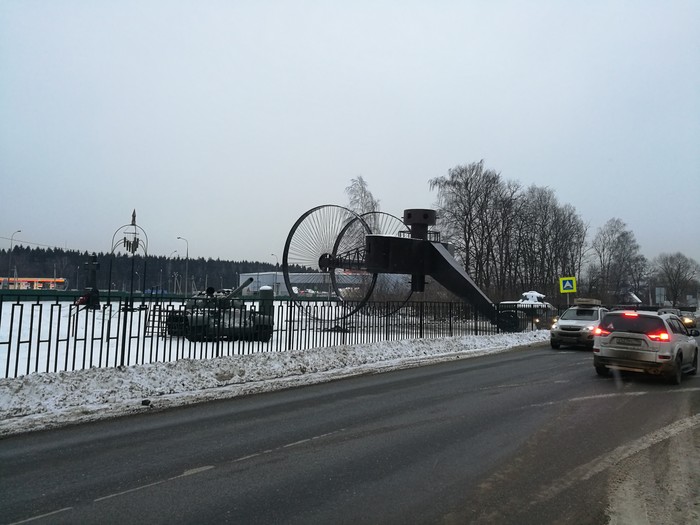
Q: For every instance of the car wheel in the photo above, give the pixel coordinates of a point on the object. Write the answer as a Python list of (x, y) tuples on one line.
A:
[(694, 371), (602, 371), (554, 345), (677, 375)]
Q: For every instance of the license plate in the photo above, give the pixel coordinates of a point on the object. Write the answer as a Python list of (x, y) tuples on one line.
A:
[(628, 341)]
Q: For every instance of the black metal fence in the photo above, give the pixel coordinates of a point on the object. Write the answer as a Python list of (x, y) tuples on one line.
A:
[(50, 333)]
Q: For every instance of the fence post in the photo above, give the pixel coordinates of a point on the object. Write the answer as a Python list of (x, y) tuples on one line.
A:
[(123, 349), (387, 323), (421, 319), (289, 320)]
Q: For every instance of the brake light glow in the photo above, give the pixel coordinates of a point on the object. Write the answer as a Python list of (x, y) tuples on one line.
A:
[(600, 331), (659, 336), (631, 314)]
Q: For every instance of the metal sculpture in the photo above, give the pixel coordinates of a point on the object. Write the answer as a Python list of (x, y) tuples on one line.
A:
[(352, 253)]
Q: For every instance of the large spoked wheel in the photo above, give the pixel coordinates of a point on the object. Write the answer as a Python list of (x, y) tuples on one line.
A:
[(323, 246), (391, 291)]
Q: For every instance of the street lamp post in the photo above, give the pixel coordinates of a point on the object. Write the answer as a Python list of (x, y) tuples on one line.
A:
[(187, 261), (132, 237), (170, 269), (9, 258)]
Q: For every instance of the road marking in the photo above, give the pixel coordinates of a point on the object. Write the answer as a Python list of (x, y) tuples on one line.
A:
[(189, 472), (198, 470), (288, 445), (605, 461), (587, 398), (519, 385), (41, 516), (193, 471), (615, 394), (135, 489)]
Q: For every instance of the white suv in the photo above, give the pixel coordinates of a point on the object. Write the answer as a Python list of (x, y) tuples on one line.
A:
[(649, 342)]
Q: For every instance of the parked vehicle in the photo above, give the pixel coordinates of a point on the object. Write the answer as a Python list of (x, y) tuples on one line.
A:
[(645, 342), (576, 325)]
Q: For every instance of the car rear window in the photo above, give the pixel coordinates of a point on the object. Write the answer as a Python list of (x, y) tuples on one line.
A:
[(614, 322), (587, 314)]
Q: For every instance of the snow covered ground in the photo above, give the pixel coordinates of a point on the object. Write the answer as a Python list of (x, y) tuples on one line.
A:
[(52, 399)]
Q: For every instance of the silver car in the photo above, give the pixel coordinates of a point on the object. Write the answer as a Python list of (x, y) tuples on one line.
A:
[(575, 326), (647, 342)]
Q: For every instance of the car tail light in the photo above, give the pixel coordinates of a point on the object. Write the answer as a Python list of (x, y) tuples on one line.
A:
[(659, 336), (600, 331), (631, 314)]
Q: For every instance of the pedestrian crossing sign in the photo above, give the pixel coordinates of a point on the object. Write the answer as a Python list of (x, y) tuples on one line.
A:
[(567, 284)]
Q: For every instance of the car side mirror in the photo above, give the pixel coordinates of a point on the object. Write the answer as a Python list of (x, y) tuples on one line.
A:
[(694, 332)]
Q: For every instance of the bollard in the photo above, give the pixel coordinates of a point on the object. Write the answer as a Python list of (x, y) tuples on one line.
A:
[(266, 309), (266, 305)]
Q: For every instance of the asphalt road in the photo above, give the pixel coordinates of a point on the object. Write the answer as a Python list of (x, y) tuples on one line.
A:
[(529, 436)]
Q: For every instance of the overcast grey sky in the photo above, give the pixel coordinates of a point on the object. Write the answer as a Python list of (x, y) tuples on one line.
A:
[(223, 121)]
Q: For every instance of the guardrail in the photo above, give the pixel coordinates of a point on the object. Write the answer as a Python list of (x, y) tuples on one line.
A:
[(44, 334)]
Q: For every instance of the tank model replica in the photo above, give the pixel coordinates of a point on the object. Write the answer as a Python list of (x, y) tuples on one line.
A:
[(221, 315)]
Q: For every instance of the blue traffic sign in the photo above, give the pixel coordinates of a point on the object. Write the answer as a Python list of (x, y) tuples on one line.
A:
[(567, 284)]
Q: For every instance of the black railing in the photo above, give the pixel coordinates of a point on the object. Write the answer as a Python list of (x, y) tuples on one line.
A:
[(51, 334)]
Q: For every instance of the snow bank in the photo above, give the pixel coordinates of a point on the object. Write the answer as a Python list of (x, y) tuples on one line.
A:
[(46, 400)]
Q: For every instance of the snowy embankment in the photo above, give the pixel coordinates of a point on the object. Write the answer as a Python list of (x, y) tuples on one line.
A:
[(46, 400)]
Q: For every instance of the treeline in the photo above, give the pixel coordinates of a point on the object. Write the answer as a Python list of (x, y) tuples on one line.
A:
[(512, 239), (149, 273)]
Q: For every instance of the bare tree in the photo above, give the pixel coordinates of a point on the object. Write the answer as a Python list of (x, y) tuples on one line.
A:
[(550, 240), (361, 199), (503, 251), (678, 273), (617, 259), (466, 204), (640, 272), (508, 240)]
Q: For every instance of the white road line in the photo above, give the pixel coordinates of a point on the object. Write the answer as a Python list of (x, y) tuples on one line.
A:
[(189, 472), (615, 394), (198, 470), (193, 471), (605, 461), (249, 456), (42, 516), (135, 489)]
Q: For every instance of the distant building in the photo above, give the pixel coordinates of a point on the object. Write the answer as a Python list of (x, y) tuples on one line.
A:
[(311, 284), (274, 280)]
